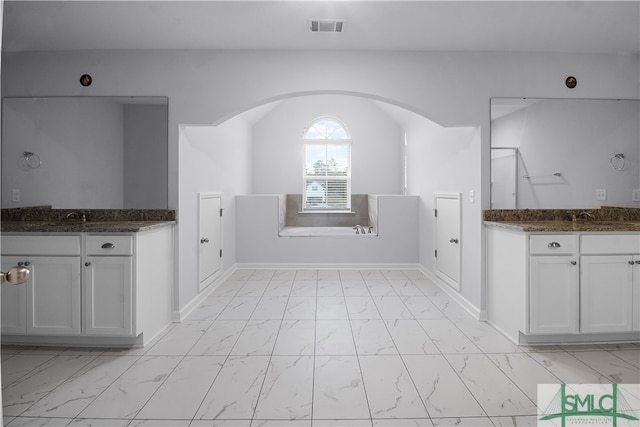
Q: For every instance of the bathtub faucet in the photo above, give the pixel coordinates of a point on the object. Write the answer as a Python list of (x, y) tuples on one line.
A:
[(359, 229)]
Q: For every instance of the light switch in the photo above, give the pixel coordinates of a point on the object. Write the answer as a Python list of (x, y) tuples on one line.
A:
[(15, 195), (635, 197)]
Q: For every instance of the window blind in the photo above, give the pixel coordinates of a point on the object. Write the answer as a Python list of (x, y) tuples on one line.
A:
[(327, 176)]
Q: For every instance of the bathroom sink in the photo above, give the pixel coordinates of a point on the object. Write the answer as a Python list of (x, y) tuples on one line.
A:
[(605, 225), (36, 224)]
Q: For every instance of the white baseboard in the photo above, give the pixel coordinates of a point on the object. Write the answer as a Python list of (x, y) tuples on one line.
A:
[(503, 332), (180, 315), (326, 266), (457, 297)]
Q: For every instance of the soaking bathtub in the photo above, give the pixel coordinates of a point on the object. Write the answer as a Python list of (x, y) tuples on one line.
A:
[(322, 231)]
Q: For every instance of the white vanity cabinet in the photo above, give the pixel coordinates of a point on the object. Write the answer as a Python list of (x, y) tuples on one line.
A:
[(609, 288), (88, 288), (553, 284), (563, 287), (49, 302), (108, 279)]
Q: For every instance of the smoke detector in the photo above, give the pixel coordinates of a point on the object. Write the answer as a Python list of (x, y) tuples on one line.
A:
[(326, 25)]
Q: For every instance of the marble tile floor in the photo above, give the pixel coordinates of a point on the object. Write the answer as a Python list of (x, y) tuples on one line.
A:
[(307, 348)]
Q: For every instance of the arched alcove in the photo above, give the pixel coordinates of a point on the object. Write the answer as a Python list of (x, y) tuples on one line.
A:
[(256, 106)]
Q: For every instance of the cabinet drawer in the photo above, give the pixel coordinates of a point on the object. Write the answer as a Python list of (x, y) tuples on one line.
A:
[(610, 244), (109, 245), (40, 245), (552, 244)]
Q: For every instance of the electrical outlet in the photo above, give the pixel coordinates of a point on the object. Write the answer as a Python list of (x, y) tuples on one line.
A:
[(635, 195), (472, 196), (15, 195), (601, 194)]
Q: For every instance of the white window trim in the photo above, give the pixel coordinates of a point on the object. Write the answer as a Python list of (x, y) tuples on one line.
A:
[(328, 141)]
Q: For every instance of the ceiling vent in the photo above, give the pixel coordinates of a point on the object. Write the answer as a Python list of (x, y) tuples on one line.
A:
[(326, 25)]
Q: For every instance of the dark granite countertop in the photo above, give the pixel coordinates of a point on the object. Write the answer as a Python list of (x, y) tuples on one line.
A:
[(604, 219), (552, 226), (45, 219)]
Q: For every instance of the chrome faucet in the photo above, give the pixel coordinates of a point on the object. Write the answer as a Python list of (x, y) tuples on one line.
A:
[(359, 229), (585, 215), (75, 216)]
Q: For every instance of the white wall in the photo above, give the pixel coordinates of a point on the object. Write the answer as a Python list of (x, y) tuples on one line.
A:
[(213, 159), (444, 160), (451, 88), (80, 169), (277, 144), (1, 21), (577, 139), (258, 241), (145, 156)]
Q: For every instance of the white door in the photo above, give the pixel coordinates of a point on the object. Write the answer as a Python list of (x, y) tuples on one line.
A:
[(447, 238), (209, 238), (606, 293)]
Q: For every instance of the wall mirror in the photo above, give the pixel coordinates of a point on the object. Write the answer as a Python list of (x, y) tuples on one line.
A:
[(564, 153), (85, 152)]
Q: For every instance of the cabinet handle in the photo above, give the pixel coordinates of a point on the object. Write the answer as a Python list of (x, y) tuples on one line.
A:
[(15, 275), (108, 246), (87, 264), (553, 245), (638, 262), (26, 263), (20, 264), (204, 240), (631, 262), (453, 240), (573, 262)]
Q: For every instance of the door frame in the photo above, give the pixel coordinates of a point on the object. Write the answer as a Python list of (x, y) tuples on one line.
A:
[(202, 285), (516, 159), (441, 275)]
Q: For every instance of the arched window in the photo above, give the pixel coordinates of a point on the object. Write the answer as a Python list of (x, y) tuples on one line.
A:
[(327, 166)]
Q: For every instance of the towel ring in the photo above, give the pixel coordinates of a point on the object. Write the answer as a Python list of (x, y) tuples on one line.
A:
[(32, 160), (618, 161)]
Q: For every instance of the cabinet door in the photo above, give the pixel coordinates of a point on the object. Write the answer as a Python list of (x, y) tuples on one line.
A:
[(553, 295), (636, 293), (14, 301), (108, 295), (53, 296), (606, 293)]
